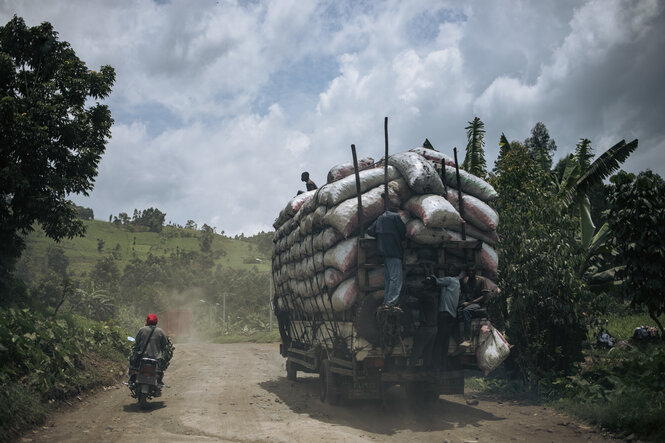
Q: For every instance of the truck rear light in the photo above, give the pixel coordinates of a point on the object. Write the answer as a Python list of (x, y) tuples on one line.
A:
[(373, 362)]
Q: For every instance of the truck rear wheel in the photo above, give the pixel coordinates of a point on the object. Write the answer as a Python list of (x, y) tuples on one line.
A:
[(291, 371), (328, 384)]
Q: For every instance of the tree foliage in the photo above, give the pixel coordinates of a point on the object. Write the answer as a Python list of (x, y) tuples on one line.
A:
[(541, 147), (537, 271), (504, 148), (206, 237), (52, 134), (474, 160), (637, 216)]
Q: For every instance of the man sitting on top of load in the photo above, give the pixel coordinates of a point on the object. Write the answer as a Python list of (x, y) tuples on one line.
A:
[(475, 292), (308, 181)]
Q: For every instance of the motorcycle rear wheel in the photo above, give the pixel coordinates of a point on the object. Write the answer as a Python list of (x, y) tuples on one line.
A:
[(143, 400)]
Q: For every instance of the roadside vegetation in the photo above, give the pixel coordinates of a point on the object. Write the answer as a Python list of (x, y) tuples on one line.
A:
[(580, 256)]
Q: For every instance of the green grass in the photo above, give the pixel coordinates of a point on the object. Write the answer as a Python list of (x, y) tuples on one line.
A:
[(622, 327), (125, 245)]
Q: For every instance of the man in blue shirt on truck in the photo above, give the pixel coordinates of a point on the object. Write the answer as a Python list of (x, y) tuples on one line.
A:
[(447, 317), (390, 232)]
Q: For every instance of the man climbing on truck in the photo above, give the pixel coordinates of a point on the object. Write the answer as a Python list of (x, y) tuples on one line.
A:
[(447, 316), (390, 232), (475, 292)]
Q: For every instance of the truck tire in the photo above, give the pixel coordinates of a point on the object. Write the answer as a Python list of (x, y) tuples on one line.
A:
[(328, 385), (291, 371)]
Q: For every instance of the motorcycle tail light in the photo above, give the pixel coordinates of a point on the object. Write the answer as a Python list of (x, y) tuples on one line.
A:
[(147, 370)]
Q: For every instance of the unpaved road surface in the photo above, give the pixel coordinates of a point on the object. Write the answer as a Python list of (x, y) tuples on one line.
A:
[(239, 392)]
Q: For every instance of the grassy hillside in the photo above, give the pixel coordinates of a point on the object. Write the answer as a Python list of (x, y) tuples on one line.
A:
[(125, 245)]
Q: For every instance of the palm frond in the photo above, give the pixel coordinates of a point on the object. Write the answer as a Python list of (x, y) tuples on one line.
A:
[(600, 169), (570, 176)]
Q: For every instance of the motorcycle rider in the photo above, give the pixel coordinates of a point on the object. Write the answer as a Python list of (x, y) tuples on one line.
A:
[(153, 343)]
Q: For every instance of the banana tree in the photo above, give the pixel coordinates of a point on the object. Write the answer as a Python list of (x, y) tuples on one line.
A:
[(581, 175)]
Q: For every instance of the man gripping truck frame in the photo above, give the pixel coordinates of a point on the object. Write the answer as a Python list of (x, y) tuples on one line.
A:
[(330, 278)]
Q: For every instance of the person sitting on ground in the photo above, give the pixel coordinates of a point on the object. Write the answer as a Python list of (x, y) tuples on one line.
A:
[(308, 181), (151, 342), (475, 292), (390, 232)]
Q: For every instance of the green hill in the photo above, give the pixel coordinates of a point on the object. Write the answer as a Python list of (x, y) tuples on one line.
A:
[(124, 244)]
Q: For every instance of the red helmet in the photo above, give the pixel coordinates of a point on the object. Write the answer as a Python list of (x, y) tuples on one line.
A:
[(151, 320)]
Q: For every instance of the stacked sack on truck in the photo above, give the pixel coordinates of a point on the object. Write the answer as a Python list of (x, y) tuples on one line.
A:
[(316, 234)]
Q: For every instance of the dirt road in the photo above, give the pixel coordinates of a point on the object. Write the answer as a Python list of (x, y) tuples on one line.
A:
[(239, 392)]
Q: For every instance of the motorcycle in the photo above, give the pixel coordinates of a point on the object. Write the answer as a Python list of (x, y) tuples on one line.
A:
[(143, 381)]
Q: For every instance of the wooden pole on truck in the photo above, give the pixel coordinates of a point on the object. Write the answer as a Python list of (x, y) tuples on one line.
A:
[(459, 194), (460, 202), (385, 166), (361, 222), (361, 274)]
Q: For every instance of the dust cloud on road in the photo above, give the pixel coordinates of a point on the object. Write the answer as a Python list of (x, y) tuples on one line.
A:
[(239, 392)]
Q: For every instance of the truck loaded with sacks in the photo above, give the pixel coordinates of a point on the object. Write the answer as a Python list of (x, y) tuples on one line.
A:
[(329, 279)]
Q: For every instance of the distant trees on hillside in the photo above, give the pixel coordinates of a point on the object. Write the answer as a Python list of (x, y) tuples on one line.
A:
[(84, 213), (263, 242), (151, 219)]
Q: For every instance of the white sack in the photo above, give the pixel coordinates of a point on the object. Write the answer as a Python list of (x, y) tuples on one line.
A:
[(333, 277), (343, 256), (344, 217), (334, 193), (433, 210), (419, 233), (489, 237), (493, 349), (342, 170), (327, 239), (476, 212), (470, 184), (435, 156), (292, 207), (419, 174), (345, 295)]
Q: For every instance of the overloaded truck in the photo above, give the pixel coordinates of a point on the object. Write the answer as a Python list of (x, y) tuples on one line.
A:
[(176, 323), (329, 279)]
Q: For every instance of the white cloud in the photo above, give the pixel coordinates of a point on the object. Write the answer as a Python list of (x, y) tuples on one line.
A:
[(220, 106)]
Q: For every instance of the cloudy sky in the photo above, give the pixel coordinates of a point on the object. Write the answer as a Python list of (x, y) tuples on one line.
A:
[(220, 105)]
